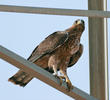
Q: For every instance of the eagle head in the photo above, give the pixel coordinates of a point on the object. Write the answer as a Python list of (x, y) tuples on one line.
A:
[(79, 24)]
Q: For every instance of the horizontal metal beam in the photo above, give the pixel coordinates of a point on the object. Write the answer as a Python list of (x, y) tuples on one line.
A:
[(54, 11), (41, 74)]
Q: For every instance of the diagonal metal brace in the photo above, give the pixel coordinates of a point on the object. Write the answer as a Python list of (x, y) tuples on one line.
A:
[(41, 74)]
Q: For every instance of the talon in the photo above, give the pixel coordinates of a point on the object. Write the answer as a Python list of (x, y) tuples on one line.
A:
[(62, 77), (69, 85)]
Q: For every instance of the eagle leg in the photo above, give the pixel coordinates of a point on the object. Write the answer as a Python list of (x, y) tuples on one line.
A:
[(69, 85), (56, 75), (68, 82)]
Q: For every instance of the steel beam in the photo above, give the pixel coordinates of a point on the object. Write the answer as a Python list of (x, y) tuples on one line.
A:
[(98, 52), (41, 74), (54, 11)]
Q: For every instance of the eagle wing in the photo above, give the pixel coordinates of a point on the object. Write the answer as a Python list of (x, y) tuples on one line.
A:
[(41, 53), (75, 57), (48, 45)]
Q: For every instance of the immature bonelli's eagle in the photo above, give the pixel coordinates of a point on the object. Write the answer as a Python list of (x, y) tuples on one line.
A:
[(58, 51)]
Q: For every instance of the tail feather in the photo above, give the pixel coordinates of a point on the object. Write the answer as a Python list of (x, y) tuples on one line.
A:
[(21, 78)]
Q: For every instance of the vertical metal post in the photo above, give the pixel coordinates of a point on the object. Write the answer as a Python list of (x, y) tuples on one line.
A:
[(98, 52)]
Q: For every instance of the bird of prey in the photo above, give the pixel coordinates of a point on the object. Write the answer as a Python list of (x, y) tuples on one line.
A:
[(57, 52)]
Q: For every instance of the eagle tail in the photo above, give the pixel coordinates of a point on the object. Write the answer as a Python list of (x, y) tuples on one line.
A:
[(20, 78)]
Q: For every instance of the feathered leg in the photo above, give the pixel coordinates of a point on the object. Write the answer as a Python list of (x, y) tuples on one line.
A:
[(69, 84), (56, 74)]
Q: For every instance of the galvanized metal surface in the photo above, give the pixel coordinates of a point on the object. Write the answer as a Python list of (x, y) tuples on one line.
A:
[(54, 11), (41, 74), (98, 52)]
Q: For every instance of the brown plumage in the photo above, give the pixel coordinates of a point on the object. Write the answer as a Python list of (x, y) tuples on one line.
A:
[(58, 51)]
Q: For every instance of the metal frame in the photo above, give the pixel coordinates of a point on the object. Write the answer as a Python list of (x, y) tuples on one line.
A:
[(94, 12)]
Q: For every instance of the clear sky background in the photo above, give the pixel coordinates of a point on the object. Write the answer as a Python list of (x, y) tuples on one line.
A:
[(21, 33)]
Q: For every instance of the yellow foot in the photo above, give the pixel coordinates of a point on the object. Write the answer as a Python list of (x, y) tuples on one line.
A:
[(69, 85)]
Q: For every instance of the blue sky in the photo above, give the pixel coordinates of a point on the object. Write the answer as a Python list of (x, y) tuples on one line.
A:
[(21, 33)]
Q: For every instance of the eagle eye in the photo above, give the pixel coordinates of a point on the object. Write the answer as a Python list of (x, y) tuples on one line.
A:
[(76, 21)]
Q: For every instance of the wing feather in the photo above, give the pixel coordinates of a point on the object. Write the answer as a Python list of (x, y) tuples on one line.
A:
[(76, 56), (48, 45)]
